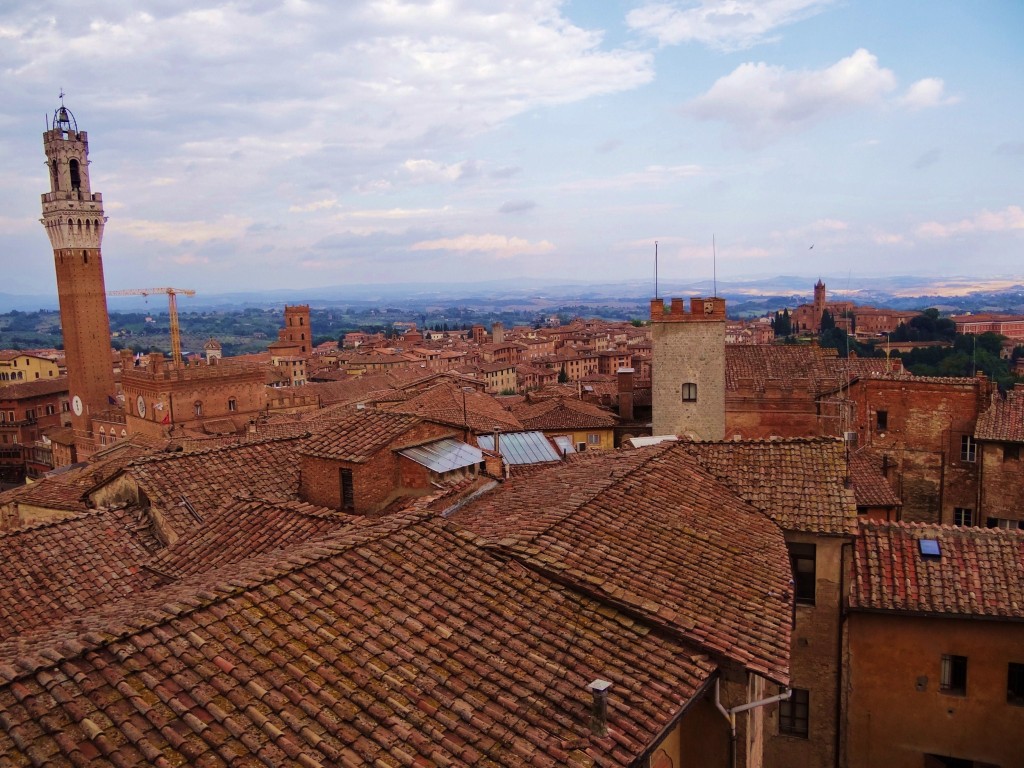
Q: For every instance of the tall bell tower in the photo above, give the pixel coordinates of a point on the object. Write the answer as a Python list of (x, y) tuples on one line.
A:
[(73, 218)]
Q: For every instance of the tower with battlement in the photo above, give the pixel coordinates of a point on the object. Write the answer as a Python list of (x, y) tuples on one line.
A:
[(688, 376), (73, 219)]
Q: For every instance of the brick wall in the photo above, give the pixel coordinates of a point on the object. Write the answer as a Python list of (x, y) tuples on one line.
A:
[(922, 431), (1001, 482), (376, 481)]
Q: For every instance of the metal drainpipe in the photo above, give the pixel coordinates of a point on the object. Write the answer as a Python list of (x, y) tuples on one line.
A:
[(730, 714)]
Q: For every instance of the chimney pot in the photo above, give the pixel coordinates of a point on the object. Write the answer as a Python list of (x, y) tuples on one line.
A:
[(599, 707)]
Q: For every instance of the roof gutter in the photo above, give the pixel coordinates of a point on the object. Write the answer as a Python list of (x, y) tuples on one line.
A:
[(730, 714)]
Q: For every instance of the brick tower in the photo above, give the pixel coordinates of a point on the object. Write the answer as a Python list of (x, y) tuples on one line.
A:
[(73, 218), (296, 328), (819, 303), (688, 376)]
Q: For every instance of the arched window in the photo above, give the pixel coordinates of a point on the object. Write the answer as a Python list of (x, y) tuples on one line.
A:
[(76, 180), (232, 404), (198, 408), (302, 321)]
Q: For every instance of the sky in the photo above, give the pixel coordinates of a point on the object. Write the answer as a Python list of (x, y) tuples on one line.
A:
[(296, 143)]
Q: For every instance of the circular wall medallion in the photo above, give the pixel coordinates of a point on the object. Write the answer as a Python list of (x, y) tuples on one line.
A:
[(140, 403), (76, 405)]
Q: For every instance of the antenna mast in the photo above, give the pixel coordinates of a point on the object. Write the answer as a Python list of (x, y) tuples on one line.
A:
[(655, 269), (714, 265)]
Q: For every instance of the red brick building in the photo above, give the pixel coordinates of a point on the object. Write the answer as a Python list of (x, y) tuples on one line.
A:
[(924, 427), (1011, 326), (217, 398), (357, 464), (27, 411)]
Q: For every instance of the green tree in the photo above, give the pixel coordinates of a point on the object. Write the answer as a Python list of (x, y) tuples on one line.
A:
[(828, 323), (782, 324), (563, 377)]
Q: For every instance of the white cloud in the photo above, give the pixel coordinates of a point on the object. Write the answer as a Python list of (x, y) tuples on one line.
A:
[(721, 24), (501, 246), (316, 205), (178, 232), (432, 172), (652, 175), (762, 101), (1009, 219), (929, 92)]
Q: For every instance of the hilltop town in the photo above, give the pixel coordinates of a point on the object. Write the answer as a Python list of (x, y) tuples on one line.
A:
[(676, 541)]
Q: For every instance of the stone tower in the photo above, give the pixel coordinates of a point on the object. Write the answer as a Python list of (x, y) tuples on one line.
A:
[(688, 376), (296, 328), (819, 303), (73, 218)]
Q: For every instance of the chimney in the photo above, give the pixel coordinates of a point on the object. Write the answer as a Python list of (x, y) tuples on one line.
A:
[(625, 382), (599, 707)]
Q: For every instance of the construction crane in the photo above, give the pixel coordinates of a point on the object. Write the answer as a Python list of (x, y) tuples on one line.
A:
[(172, 308)]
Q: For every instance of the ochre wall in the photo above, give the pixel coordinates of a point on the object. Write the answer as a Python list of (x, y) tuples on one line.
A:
[(814, 663), (897, 714)]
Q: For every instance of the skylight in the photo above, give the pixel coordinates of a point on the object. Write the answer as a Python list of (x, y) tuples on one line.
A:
[(929, 548)]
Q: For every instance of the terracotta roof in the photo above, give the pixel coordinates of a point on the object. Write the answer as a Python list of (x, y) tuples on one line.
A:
[(242, 528), (352, 389), (799, 483), (424, 650), (820, 368), (652, 532), (1004, 419), (563, 413), (36, 388), (444, 403), (66, 491), (870, 487), (56, 569), (269, 469), (358, 434), (979, 572)]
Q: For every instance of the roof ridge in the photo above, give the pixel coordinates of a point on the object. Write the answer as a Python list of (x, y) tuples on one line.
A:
[(212, 449), (910, 525)]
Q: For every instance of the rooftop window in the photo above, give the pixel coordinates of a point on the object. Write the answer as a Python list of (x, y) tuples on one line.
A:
[(929, 548)]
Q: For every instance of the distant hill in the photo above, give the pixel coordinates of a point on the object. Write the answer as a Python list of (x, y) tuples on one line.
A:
[(754, 296)]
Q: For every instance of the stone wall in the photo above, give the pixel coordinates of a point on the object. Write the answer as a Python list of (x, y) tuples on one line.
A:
[(689, 348)]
